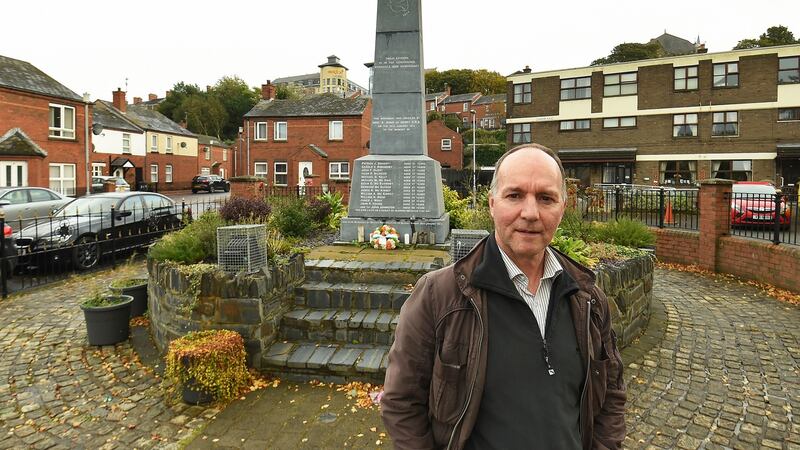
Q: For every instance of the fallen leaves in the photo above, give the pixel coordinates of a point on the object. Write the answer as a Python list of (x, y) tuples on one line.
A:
[(366, 395)]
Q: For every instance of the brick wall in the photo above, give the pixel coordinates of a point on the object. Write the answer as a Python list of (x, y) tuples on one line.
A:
[(677, 246), (447, 158), (760, 260)]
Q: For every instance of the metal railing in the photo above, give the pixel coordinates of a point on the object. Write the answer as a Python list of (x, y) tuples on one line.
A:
[(770, 217), (654, 206)]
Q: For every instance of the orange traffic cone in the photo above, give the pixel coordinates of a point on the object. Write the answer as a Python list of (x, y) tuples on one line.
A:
[(668, 218)]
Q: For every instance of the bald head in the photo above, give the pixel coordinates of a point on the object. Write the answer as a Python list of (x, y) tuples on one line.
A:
[(527, 150)]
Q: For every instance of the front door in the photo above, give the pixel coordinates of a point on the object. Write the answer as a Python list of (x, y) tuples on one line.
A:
[(13, 173), (304, 169), (139, 177)]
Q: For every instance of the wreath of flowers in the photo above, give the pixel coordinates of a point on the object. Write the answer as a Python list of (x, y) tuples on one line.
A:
[(384, 237)]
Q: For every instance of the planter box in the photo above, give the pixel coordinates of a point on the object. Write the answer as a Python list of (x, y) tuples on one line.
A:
[(108, 325)]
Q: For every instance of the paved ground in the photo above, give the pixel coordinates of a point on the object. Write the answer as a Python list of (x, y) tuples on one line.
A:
[(718, 368)]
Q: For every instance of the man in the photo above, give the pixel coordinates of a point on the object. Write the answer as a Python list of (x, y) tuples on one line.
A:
[(510, 347)]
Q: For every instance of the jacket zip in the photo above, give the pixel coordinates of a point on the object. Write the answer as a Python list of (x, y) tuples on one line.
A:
[(588, 358), (474, 377)]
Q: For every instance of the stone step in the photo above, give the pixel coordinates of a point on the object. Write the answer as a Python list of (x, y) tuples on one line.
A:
[(325, 295), (354, 326), (306, 360), (369, 272)]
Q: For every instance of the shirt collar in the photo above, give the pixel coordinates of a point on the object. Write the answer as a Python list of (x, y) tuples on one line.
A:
[(551, 265)]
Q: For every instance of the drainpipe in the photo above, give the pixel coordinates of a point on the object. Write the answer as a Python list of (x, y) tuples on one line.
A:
[(248, 147), (86, 98)]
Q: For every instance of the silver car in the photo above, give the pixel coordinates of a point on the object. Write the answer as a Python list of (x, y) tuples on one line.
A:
[(25, 205), (86, 228)]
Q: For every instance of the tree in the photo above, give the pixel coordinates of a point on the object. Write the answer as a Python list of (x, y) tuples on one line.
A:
[(175, 97), (288, 91), (462, 81), (453, 122), (237, 99), (777, 35), (204, 114), (631, 51)]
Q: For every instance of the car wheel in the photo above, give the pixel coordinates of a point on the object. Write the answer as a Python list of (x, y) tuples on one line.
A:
[(211, 189), (227, 188), (86, 252), (194, 191)]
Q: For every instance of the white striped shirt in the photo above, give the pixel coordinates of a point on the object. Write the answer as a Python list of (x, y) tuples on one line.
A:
[(540, 301)]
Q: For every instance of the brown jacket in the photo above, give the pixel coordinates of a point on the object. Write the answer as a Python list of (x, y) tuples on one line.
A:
[(437, 364)]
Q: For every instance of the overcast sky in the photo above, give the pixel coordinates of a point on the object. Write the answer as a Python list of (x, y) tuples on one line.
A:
[(94, 46)]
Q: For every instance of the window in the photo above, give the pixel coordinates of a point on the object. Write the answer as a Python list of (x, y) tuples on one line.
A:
[(620, 84), (732, 170), (62, 178), (521, 133), (576, 88), (280, 131), (126, 144), (205, 171), (678, 172), (447, 144), (686, 78), (725, 124), (260, 169), (169, 144), (619, 122), (62, 121), (207, 151), (465, 121), (17, 197), (154, 143), (789, 70), (433, 106), (261, 131), (522, 93), (726, 75), (487, 122), (281, 174), (224, 154), (168, 173), (97, 169), (339, 170), (154, 173), (335, 130), (684, 125), (40, 195), (789, 114), (465, 107), (575, 125)]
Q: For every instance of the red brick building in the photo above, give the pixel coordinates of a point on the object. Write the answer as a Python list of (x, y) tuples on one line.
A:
[(460, 105), (435, 101), (214, 156), (445, 145), (490, 111), (43, 128)]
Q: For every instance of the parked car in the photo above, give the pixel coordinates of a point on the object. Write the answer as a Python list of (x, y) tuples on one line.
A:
[(99, 181), (25, 205), (210, 183), (753, 203), (84, 230)]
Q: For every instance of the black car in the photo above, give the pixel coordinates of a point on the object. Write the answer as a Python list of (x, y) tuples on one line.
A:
[(210, 183)]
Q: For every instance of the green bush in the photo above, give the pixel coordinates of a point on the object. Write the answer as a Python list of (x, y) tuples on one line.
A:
[(574, 226), (242, 209), (337, 209), (195, 243), (479, 219), (574, 248), (630, 233), (292, 216), (456, 206)]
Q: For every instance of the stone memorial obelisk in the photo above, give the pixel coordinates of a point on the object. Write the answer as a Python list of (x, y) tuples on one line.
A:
[(397, 183)]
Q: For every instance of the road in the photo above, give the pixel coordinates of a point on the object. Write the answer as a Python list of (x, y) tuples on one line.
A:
[(199, 202)]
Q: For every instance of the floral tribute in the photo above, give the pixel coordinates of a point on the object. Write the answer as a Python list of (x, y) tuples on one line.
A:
[(384, 237)]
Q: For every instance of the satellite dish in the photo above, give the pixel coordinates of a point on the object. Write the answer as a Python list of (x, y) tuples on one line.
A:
[(97, 128), (183, 144)]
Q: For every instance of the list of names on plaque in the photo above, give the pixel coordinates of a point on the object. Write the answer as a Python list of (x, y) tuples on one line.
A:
[(413, 194), (377, 187)]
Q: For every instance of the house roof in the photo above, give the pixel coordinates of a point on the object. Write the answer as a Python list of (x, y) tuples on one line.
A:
[(460, 98), (488, 99), (433, 95), (153, 120), (22, 75), (296, 78), (105, 114), (315, 105), (16, 143), (673, 45), (318, 150), (204, 139)]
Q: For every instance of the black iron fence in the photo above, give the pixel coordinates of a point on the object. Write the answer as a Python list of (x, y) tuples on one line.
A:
[(658, 207), (770, 217)]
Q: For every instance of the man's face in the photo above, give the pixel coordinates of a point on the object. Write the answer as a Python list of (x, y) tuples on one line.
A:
[(527, 205)]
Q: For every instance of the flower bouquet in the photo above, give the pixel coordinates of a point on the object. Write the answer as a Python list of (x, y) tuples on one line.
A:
[(384, 237)]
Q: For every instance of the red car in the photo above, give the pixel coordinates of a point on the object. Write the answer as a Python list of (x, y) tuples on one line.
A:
[(753, 203)]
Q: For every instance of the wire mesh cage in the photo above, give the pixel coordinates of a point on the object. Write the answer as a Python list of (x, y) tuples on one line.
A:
[(462, 241), (242, 248)]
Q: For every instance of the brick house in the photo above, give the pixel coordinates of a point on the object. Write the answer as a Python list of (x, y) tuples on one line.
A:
[(43, 130), (214, 156), (672, 120), (460, 105), (445, 145), (119, 149), (434, 101), (490, 111)]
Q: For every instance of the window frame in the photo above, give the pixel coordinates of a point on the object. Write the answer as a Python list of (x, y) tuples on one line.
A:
[(337, 175), (684, 124), (795, 69), (284, 173), (154, 173), (680, 167), (168, 173), (521, 133), (224, 154), (277, 129), (100, 166), (448, 147), (262, 174), (257, 136), (725, 123), (126, 148), (525, 93), (620, 84), (168, 146), (574, 123), (153, 140), (63, 182), (587, 89), (465, 107), (207, 151), (332, 130), (619, 125), (719, 173), (62, 131), (725, 75), (795, 113), (686, 79)]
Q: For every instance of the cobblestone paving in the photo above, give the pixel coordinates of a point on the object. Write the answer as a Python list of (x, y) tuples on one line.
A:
[(725, 373), (56, 391)]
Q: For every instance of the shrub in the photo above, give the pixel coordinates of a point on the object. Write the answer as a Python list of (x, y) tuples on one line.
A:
[(338, 209), (277, 246), (611, 252), (98, 299), (574, 248), (456, 206), (319, 210), (479, 219), (630, 233), (292, 217), (574, 226), (195, 243), (241, 209)]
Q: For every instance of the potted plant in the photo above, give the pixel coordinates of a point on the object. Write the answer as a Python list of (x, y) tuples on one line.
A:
[(136, 288), (207, 365), (107, 318)]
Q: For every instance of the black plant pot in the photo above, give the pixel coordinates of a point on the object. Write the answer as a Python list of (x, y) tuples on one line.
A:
[(139, 294), (108, 325), (194, 396)]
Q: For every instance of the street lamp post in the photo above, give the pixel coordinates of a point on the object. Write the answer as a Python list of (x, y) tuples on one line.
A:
[(474, 177)]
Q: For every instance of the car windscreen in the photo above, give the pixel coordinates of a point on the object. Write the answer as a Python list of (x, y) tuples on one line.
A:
[(88, 205), (762, 189)]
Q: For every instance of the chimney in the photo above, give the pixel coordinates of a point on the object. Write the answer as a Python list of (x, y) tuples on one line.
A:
[(119, 100), (183, 123), (447, 89), (151, 97), (268, 91), (702, 48), (527, 69), (137, 100)]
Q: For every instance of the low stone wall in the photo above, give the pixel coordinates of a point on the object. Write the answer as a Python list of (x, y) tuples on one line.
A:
[(629, 288), (252, 305)]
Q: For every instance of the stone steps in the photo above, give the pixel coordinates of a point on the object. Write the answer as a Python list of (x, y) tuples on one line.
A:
[(324, 295), (354, 326), (331, 362), (369, 272)]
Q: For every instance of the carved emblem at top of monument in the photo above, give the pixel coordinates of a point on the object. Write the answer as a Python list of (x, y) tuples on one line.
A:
[(400, 7)]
